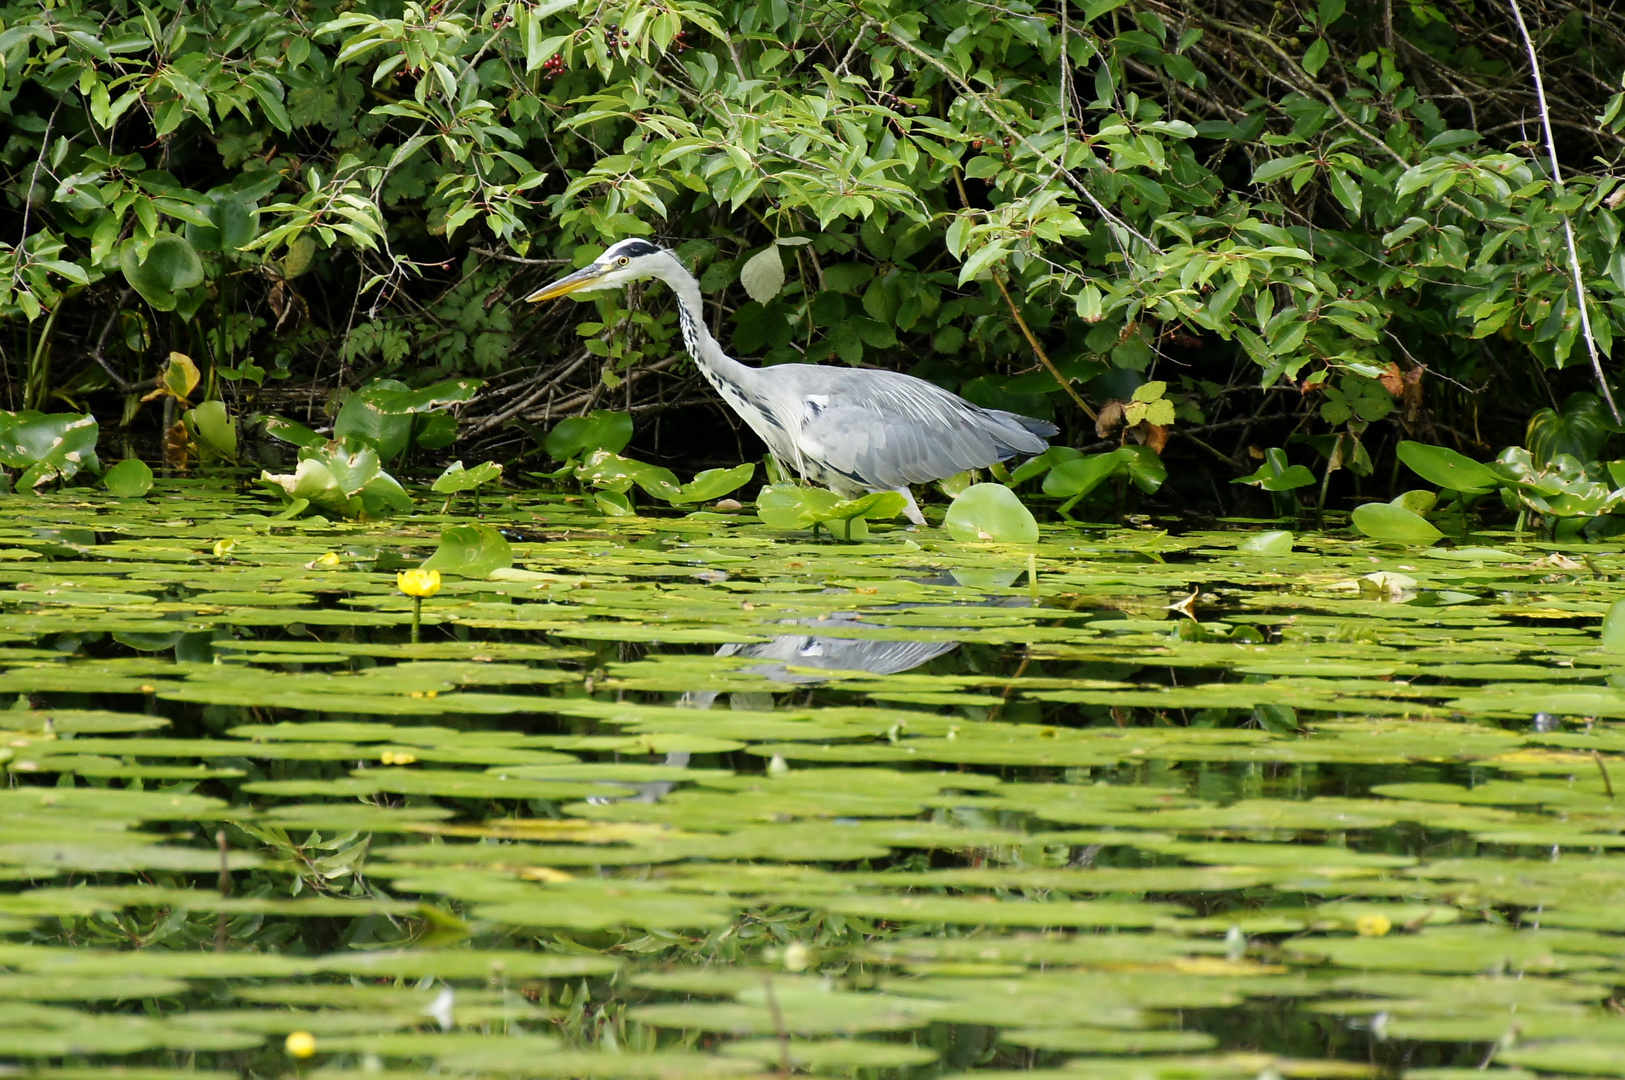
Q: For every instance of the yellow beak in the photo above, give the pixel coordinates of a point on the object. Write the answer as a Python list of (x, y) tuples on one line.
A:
[(584, 278)]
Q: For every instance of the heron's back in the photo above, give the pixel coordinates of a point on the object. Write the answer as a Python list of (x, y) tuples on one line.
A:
[(881, 430)]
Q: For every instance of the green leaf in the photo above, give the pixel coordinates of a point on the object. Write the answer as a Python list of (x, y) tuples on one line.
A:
[(471, 551), (615, 473), (457, 479), (1080, 476), (878, 504), (983, 258), (1581, 429), (1346, 189), (1275, 542), (353, 464), (602, 429), (1613, 628), (290, 431), (991, 513), (1278, 167), (787, 506), (1448, 469), (213, 429), (1315, 58), (49, 446), (1393, 524), (763, 274), (1288, 479), (167, 266), (129, 479), (714, 484)]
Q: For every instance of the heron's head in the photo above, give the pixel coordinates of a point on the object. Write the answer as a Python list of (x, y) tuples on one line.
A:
[(625, 261)]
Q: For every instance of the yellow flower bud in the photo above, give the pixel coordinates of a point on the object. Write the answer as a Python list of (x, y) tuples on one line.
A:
[(301, 1044), (419, 583), (223, 548), (329, 560), (1372, 925)]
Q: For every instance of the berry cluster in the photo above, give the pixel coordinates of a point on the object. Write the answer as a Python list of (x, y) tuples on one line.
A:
[(554, 66), (679, 42), (616, 38), (897, 104)]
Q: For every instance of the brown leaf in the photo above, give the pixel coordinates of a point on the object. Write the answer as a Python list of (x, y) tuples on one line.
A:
[(1392, 380), (1618, 196), (1109, 420), (1410, 397), (177, 445), (288, 306), (1156, 436)]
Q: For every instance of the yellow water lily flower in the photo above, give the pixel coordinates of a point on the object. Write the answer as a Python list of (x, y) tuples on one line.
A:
[(300, 1044), (418, 583), (1372, 925)]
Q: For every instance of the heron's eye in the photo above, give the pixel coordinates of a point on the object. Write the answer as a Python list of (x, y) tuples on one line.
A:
[(622, 261)]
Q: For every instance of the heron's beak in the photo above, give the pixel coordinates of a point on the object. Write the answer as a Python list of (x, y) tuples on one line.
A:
[(585, 278)]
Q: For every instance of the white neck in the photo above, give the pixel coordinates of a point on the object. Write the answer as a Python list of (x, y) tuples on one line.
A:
[(720, 369)]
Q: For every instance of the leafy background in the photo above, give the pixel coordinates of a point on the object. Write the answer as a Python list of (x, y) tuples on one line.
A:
[(1321, 227)]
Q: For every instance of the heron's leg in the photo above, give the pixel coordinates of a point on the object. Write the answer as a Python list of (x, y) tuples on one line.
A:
[(912, 510)]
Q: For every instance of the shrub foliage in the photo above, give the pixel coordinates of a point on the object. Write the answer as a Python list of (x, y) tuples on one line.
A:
[(1336, 219)]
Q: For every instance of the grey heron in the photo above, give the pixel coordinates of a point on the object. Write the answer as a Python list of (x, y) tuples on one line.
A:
[(851, 430)]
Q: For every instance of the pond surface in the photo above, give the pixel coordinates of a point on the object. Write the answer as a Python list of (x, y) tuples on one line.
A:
[(691, 798)]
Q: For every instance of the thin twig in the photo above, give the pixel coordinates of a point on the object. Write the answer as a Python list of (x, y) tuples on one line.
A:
[(779, 1029), (1602, 767), (101, 343), (1568, 226), (220, 937), (1038, 350), (491, 253)]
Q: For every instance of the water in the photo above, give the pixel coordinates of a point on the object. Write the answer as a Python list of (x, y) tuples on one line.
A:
[(692, 798)]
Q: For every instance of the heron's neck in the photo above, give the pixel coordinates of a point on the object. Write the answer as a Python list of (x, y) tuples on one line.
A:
[(718, 366)]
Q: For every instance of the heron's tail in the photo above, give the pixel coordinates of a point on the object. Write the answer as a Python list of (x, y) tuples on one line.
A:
[(1017, 427), (1042, 428)]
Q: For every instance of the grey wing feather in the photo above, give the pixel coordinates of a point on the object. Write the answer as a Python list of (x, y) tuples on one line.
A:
[(887, 430)]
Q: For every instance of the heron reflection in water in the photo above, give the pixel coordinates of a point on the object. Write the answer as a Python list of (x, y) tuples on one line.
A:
[(788, 651)]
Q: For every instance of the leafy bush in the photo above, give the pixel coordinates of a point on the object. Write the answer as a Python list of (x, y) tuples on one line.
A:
[(1220, 198)]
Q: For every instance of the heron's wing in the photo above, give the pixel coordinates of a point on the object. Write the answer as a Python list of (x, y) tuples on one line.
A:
[(886, 430)]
